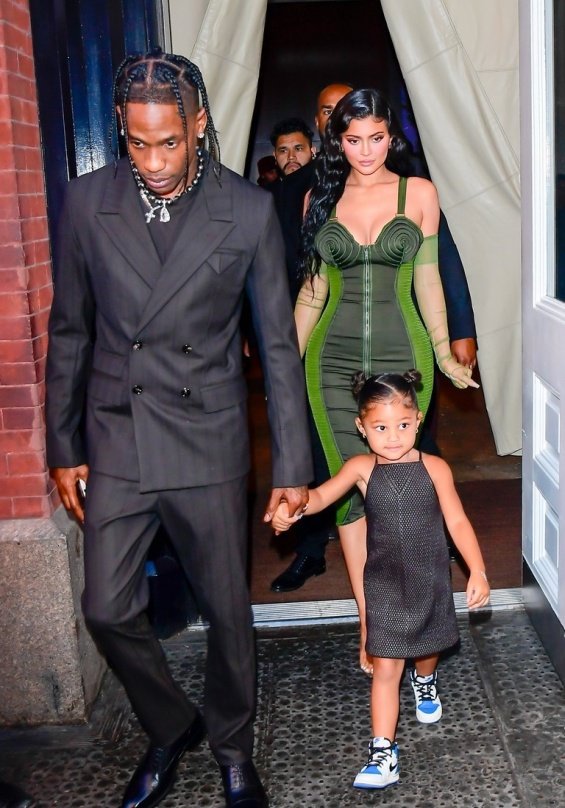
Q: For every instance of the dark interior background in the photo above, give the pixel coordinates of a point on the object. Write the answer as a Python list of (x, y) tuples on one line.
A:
[(308, 45), (78, 45)]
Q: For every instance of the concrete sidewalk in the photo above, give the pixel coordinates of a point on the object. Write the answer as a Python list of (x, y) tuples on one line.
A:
[(500, 743)]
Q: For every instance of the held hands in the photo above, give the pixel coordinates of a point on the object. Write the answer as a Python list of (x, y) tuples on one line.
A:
[(295, 499), (281, 520), (67, 480), (478, 589)]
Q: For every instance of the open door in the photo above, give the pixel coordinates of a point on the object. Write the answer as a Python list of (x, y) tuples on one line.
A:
[(543, 261)]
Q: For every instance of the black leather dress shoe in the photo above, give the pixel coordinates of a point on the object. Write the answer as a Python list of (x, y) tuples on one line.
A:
[(154, 776), (242, 786), (13, 797), (296, 575)]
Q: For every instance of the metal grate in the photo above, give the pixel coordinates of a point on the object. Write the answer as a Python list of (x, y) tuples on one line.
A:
[(499, 744)]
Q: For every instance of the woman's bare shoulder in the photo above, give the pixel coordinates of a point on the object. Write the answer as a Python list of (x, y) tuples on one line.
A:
[(423, 188)]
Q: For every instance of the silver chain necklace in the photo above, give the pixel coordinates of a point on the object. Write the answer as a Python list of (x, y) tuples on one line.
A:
[(160, 204)]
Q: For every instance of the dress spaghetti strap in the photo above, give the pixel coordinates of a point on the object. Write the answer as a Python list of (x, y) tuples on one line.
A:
[(402, 184)]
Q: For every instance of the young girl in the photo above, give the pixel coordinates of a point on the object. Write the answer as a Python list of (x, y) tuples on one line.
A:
[(408, 597)]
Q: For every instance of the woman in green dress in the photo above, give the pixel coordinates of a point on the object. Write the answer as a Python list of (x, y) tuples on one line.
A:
[(369, 241)]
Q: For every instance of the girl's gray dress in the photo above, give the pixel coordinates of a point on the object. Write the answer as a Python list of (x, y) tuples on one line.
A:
[(408, 595)]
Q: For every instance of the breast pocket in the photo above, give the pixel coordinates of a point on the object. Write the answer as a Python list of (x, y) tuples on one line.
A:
[(222, 260)]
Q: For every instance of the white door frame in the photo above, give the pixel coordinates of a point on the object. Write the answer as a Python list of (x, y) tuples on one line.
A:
[(544, 333)]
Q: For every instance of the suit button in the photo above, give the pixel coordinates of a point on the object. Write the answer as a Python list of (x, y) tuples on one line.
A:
[(137, 345), (137, 389), (186, 349), (185, 392)]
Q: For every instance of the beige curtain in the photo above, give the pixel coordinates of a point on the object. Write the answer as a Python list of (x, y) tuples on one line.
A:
[(224, 38), (459, 59)]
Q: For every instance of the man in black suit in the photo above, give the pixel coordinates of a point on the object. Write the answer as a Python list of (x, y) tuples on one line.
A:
[(154, 258)]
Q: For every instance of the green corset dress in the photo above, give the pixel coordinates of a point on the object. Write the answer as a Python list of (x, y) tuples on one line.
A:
[(370, 323)]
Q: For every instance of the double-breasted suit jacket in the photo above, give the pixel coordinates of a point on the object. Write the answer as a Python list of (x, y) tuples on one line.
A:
[(151, 353)]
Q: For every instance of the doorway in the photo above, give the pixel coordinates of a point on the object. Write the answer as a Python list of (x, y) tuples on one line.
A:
[(306, 46)]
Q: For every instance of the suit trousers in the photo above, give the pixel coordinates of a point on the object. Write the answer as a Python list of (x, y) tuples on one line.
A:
[(208, 529)]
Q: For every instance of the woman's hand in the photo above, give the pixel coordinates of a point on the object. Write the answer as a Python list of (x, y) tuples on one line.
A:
[(460, 375)]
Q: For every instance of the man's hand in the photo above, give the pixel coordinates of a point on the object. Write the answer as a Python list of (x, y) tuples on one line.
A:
[(465, 351), (67, 485), (295, 498)]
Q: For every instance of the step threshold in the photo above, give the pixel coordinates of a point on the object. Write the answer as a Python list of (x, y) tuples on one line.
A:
[(300, 613)]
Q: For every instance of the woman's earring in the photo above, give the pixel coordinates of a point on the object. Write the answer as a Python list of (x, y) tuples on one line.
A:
[(200, 135), (122, 132)]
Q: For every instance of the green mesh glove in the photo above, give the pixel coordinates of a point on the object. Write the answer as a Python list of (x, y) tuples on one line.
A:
[(309, 306), (431, 302)]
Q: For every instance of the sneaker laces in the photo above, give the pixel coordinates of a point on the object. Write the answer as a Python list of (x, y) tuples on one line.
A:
[(379, 755), (426, 691)]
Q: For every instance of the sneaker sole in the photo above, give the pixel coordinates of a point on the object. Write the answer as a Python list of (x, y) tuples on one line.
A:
[(360, 782)]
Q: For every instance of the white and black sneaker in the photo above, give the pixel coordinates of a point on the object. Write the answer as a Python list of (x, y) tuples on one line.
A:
[(428, 704), (382, 768)]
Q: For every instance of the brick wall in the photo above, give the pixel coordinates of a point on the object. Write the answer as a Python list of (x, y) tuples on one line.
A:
[(25, 277)]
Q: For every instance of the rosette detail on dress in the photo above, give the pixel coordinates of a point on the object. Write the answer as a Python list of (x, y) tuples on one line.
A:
[(400, 240), (336, 245)]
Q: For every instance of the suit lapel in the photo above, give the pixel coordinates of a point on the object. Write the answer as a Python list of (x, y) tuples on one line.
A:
[(209, 221), (121, 218)]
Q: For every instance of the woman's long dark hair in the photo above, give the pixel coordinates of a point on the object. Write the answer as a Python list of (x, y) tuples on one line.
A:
[(332, 167)]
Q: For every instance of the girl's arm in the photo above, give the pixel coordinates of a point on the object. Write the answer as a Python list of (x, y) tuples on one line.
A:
[(309, 306), (355, 471), (460, 529)]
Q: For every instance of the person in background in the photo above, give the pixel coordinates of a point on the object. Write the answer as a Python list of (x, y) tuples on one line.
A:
[(327, 99), (267, 170), (311, 537), (292, 145), (156, 254)]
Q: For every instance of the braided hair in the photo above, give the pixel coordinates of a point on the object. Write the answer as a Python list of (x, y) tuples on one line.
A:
[(370, 390), (164, 78), (332, 167)]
